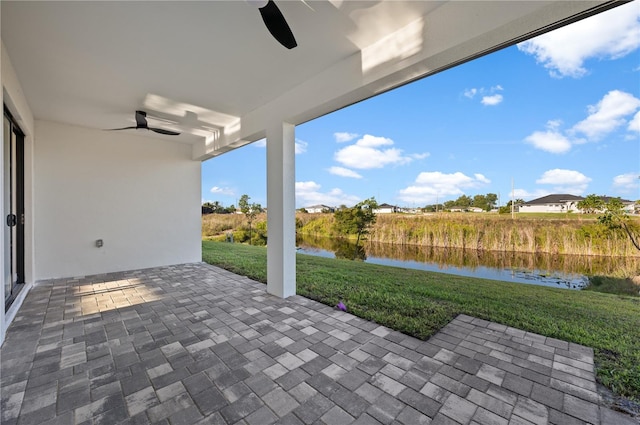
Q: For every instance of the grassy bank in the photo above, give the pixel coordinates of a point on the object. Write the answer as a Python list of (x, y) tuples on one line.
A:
[(419, 303)]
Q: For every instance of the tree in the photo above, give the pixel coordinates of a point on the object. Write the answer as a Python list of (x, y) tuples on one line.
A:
[(250, 211), (591, 204), (480, 201), (615, 218), (464, 201), (492, 199), (507, 208), (356, 220)]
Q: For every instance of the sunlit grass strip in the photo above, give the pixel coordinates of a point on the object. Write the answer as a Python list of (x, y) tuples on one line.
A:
[(419, 303)]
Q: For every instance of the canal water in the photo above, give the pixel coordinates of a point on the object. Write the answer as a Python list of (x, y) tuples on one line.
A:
[(558, 271)]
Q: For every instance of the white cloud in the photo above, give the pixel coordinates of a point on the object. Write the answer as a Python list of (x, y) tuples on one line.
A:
[(609, 35), (301, 146), (526, 195), (488, 98), (433, 186), (629, 182), (550, 140), (470, 93), (565, 181), (368, 152), (420, 155), (262, 143), (481, 178), (492, 100), (342, 137), (634, 124), (344, 172), (308, 193), (223, 191), (609, 114)]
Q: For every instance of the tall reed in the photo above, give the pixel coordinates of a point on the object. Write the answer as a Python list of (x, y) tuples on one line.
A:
[(489, 232), (480, 232)]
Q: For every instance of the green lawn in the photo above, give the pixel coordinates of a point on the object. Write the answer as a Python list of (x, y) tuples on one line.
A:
[(419, 303)]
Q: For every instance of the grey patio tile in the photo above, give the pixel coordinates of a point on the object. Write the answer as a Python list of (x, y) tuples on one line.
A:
[(236, 354), (574, 390), (209, 401), (532, 411), (169, 407), (610, 417), (236, 392), (170, 391), (421, 402), (302, 392), (559, 418), (312, 409), (280, 402), (458, 409), (141, 400), (517, 384), (450, 384), (386, 409), (387, 384), (486, 417), (337, 416), (581, 409), (36, 417), (262, 416), (350, 402), (69, 401)]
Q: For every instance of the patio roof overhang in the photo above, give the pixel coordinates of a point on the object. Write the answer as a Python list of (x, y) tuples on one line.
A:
[(211, 69)]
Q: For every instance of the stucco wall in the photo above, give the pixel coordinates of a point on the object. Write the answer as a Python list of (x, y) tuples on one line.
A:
[(140, 195)]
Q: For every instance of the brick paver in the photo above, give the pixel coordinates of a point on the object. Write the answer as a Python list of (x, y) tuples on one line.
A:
[(194, 344)]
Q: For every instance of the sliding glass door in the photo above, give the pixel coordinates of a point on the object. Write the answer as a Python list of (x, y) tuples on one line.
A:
[(13, 171)]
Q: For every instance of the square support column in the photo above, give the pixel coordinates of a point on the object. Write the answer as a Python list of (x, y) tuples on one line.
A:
[(281, 210)]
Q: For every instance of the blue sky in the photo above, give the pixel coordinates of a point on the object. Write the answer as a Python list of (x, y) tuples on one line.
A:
[(557, 114)]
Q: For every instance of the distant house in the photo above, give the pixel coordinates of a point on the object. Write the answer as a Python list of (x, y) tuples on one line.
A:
[(410, 210), (558, 203), (475, 209), (562, 203), (386, 209), (630, 207), (457, 208), (316, 209)]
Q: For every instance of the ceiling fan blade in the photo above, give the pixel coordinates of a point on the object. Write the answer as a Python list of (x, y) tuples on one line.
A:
[(162, 131), (277, 25), (117, 129), (141, 119)]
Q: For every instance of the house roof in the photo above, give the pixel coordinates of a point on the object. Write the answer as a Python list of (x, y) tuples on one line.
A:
[(386, 206), (321, 206), (606, 199), (212, 71), (554, 199)]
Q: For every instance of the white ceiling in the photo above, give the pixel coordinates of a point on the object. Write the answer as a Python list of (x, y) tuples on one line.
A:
[(208, 66)]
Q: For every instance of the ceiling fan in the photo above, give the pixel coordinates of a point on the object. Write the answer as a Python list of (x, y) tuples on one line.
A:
[(141, 123), (275, 22)]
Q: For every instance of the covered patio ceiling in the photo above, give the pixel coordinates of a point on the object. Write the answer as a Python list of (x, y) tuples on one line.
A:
[(212, 71)]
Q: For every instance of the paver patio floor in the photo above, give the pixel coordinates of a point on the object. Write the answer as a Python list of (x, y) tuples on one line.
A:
[(195, 344)]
